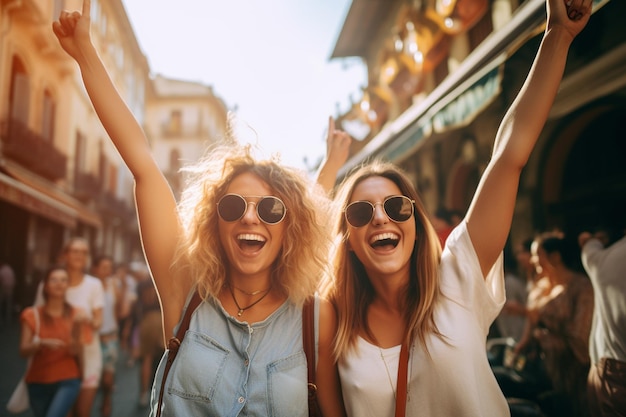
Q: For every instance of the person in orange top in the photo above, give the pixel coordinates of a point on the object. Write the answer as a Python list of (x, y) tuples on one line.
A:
[(50, 336)]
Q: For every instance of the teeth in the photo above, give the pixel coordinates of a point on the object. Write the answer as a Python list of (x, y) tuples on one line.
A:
[(384, 236), (250, 236)]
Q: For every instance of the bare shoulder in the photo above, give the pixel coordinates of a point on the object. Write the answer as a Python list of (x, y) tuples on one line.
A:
[(327, 318)]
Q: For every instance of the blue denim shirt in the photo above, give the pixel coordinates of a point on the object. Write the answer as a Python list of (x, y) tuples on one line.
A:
[(229, 368)]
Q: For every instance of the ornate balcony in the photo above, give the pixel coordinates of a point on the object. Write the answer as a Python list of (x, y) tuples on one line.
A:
[(31, 150), (86, 186)]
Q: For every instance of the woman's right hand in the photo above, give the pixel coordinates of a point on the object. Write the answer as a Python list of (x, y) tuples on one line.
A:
[(72, 30), (337, 151), (572, 15)]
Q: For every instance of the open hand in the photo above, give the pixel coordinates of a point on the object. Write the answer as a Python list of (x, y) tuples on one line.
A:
[(337, 144)]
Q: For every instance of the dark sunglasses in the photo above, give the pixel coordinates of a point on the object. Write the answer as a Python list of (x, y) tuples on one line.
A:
[(270, 209), (399, 208)]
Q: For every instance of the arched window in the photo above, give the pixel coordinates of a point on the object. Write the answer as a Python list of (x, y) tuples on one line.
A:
[(47, 118), (19, 93)]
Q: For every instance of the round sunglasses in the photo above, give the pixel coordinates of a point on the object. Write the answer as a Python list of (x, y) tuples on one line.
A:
[(399, 208), (270, 209)]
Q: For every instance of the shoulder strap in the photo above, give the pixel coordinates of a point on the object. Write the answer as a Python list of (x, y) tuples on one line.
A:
[(174, 343), (308, 337), (401, 384)]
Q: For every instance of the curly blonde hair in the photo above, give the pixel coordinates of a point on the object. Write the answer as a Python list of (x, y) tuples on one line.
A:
[(352, 293), (303, 258)]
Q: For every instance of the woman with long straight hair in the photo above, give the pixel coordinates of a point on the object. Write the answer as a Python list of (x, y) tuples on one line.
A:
[(51, 337), (398, 295)]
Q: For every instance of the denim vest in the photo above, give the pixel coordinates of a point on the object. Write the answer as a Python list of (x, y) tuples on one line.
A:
[(229, 368)]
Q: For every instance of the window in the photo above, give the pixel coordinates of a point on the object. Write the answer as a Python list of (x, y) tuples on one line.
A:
[(20, 92), (80, 156), (175, 123), (47, 118)]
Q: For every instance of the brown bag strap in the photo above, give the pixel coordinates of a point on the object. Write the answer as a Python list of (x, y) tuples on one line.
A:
[(308, 339), (174, 343), (401, 384)]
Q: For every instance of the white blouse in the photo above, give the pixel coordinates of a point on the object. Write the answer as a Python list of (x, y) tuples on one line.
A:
[(456, 380)]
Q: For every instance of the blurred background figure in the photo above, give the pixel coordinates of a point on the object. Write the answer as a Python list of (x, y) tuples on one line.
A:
[(51, 336), (85, 292), (150, 331), (7, 287), (512, 319), (128, 297), (443, 223), (102, 268), (563, 324), (604, 259)]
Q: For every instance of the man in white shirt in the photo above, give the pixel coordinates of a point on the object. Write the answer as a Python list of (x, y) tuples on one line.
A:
[(606, 267)]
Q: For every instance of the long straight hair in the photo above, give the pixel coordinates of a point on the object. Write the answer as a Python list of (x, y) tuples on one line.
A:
[(352, 292), (67, 308)]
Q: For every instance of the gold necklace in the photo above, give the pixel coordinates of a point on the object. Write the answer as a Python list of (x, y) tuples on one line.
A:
[(253, 292), (242, 309), (382, 356)]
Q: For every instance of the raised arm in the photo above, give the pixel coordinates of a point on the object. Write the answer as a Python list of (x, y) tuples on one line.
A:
[(491, 211), (156, 206), (337, 151)]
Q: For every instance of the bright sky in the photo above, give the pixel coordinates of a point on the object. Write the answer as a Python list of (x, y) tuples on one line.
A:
[(269, 59)]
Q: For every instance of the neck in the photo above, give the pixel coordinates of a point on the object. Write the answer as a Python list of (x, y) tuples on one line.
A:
[(75, 276), (390, 292), (562, 275), (249, 284), (55, 303)]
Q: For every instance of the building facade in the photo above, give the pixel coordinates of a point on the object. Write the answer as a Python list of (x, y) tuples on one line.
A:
[(183, 120), (60, 175), (442, 74)]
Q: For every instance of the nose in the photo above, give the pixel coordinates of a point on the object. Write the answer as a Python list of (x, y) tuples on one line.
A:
[(380, 217), (250, 216)]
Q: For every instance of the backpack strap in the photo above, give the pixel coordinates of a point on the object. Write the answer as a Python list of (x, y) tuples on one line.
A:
[(308, 343), (174, 343), (308, 337), (401, 389)]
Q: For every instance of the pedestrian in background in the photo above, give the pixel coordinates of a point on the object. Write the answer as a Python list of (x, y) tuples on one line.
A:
[(128, 296), (53, 377), (150, 333), (102, 268), (84, 292), (7, 288), (512, 319), (605, 263)]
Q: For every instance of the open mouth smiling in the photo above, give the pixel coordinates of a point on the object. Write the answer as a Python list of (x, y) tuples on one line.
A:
[(251, 241), (387, 239)]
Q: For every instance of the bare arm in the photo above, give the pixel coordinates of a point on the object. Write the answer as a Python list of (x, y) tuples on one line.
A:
[(491, 211), (337, 151), (158, 219), (28, 345), (329, 387)]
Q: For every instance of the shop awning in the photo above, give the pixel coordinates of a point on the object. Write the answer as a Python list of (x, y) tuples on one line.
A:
[(46, 194), (457, 109), (36, 202), (461, 96)]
